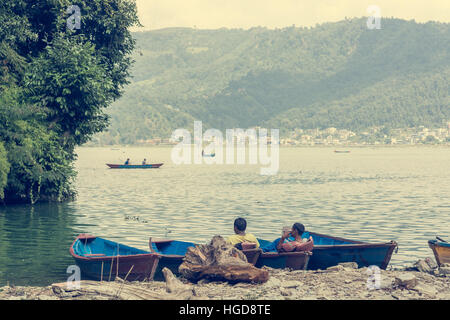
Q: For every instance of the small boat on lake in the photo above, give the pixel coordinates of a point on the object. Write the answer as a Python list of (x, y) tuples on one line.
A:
[(212, 155), (441, 250), (341, 151), (102, 259), (135, 166), (329, 251)]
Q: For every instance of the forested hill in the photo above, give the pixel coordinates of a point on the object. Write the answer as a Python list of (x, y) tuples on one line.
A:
[(340, 74)]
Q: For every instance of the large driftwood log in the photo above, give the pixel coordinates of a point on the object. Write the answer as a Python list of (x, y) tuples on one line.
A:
[(219, 260), (108, 290), (121, 290), (177, 288)]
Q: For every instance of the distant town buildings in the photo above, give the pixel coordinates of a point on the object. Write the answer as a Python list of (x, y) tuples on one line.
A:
[(335, 137), (372, 136)]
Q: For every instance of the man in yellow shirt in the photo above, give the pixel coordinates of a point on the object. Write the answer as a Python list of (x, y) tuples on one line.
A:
[(240, 236)]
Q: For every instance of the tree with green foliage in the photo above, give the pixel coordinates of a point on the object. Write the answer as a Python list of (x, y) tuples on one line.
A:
[(55, 84), (72, 84), (40, 168), (4, 170)]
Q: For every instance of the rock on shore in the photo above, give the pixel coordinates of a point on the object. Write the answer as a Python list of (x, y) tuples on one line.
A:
[(343, 282)]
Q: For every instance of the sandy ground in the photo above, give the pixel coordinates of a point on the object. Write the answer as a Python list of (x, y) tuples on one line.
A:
[(342, 282)]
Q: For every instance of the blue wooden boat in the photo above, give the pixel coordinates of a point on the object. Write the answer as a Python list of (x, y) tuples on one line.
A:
[(98, 258), (441, 250), (102, 259), (172, 253), (329, 251), (135, 166)]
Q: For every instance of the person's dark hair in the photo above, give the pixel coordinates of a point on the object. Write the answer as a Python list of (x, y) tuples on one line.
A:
[(299, 227), (240, 224)]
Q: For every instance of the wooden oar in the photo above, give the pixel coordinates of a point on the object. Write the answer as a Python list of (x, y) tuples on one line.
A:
[(440, 239)]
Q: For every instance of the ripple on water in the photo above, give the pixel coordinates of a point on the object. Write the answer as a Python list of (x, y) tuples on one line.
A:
[(372, 194)]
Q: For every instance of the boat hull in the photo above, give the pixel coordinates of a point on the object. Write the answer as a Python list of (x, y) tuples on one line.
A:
[(364, 255), (101, 264), (329, 251), (291, 260), (172, 253), (441, 251), (252, 255), (134, 166), (170, 262)]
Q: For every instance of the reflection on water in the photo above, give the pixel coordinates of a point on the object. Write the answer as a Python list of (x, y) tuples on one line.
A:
[(370, 194), (34, 242)]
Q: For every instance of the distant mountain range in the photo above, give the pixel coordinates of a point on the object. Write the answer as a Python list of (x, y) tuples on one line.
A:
[(341, 75)]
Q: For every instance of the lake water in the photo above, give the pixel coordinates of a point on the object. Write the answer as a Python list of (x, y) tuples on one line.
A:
[(371, 194)]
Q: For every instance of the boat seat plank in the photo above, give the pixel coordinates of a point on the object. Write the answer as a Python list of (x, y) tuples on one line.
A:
[(161, 240)]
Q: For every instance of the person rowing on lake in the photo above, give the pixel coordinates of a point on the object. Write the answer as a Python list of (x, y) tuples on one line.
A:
[(144, 162), (127, 162), (291, 240)]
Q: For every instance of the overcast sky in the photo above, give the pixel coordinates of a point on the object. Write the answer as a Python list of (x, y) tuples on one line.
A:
[(213, 14)]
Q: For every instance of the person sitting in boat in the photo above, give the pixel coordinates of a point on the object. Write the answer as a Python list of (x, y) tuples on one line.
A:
[(144, 162), (127, 162), (240, 236), (291, 240)]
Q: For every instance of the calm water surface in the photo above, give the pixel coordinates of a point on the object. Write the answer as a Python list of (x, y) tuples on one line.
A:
[(370, 194)]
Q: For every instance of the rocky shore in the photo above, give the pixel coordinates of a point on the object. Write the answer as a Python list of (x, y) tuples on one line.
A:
[(342, 282)]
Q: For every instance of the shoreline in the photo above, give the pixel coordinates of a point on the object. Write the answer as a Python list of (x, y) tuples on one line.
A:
[(437, 145), (341, 282)]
